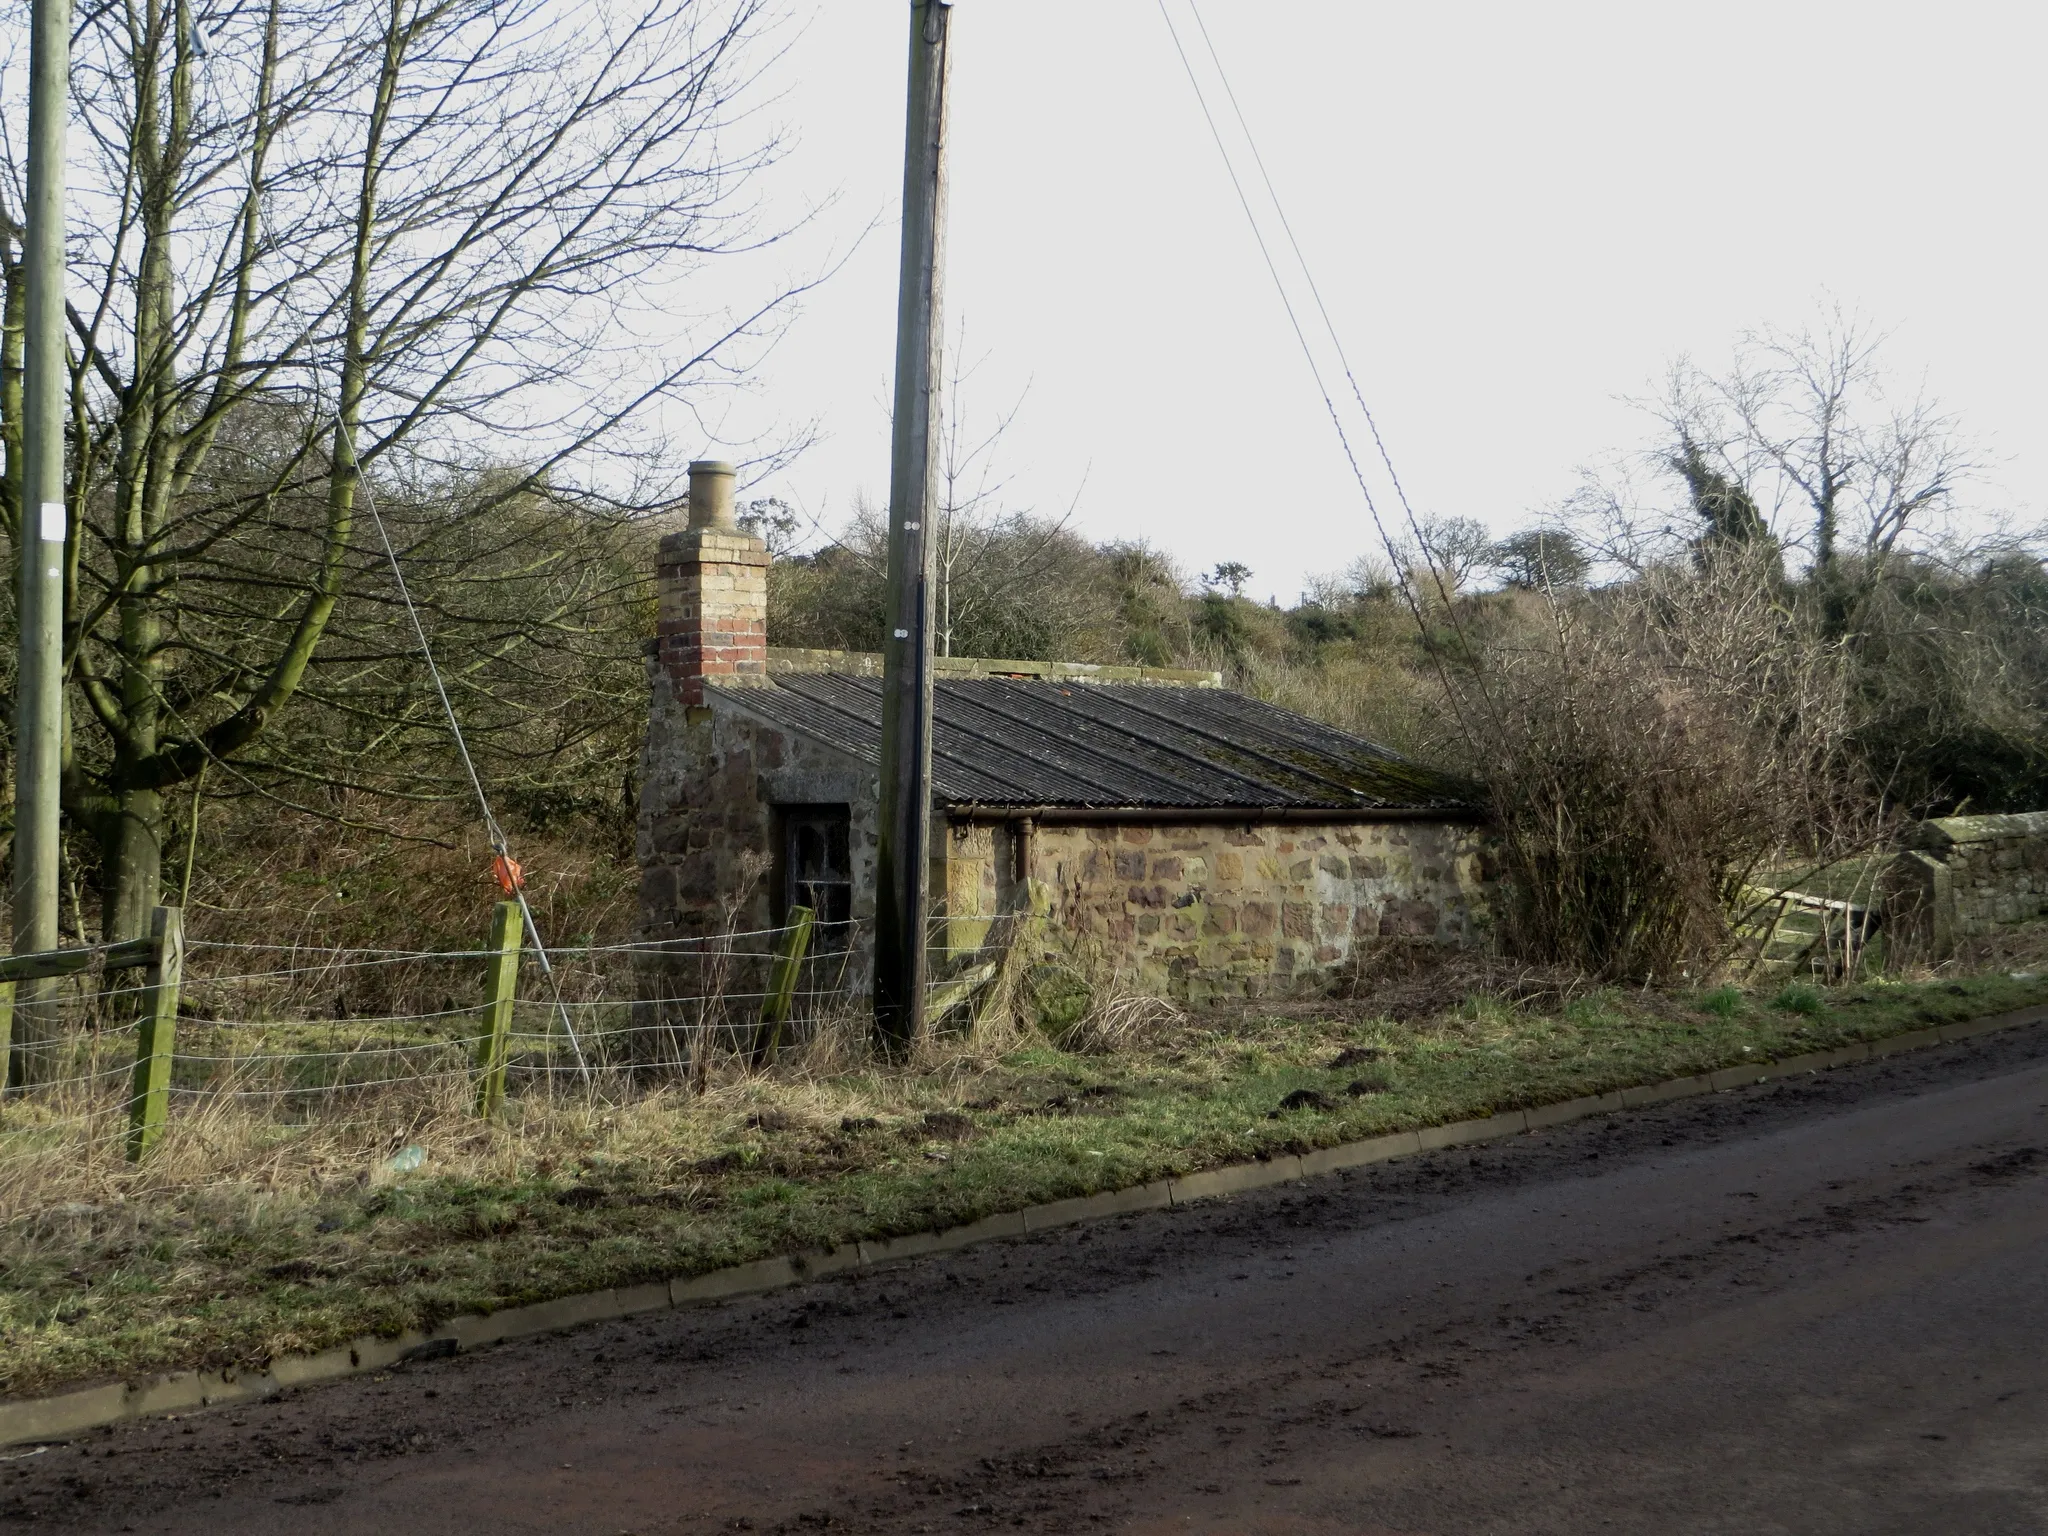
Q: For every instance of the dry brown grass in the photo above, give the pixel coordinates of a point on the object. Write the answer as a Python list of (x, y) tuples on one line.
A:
[(1120, 1017), (2022, 948), (415, 878), (256, 1128), (1411, 981)]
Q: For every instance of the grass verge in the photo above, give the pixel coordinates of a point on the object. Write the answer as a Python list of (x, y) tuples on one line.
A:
[(235, 1272)]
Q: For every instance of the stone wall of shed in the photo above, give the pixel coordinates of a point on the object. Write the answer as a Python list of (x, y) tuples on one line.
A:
[(711, 780), (1196, 912), (1215, 911)]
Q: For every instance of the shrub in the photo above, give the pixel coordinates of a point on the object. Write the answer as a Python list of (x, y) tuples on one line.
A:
[(1645, 757), (1798, 998), (1722, 1002), (1060, 998)]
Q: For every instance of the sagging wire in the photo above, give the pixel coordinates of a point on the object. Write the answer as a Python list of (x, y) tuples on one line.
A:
[(395, 955), (1294, 320), (1301, 260)]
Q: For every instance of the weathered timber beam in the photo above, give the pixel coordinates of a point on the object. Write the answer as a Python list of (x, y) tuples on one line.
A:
[(950, 994), (69, 962)]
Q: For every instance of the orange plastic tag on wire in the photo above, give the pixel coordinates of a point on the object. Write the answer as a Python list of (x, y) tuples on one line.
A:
[(511, 878)]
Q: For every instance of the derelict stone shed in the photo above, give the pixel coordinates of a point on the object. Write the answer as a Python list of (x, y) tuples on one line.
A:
[(1200, 842)]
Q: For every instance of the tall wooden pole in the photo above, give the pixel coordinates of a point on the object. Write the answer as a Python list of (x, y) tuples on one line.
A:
[(906, 792), (39, 544)]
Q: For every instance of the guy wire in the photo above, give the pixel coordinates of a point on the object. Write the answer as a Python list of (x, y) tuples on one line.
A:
[(496, 833)]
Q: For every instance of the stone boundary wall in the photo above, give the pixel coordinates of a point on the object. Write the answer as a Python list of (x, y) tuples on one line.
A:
[(1962, 877)]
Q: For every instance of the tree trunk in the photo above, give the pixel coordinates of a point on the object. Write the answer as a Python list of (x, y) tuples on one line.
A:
[(131, 838), (13, 345), (132, 861)]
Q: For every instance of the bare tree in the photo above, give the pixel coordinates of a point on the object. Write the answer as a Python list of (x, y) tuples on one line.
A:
[(1007, 580), (1809, 429), (1455, 549), (1367, 579), (327, 247), (978, 530)]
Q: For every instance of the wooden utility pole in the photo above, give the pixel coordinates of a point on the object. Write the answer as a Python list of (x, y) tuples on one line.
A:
[(906, 794), (39, 539)]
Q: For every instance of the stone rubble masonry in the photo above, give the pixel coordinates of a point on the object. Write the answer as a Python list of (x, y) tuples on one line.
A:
[(1965, 876), (1202, 912), (713, 590), (1196, 912), (711, 778)]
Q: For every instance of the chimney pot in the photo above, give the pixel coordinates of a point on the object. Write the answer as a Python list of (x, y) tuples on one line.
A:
[(711, 495)]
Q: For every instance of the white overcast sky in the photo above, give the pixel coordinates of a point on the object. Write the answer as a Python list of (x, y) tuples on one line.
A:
[(1518, 214)]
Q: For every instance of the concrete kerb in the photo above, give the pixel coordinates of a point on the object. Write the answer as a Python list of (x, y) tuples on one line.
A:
[(1460, 1133), (1234, 1180), (1572, 1109), (1359, 1154), (30, 1420), (1118, 1202)]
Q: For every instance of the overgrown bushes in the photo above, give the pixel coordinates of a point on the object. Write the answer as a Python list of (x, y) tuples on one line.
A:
[(1649, 753)]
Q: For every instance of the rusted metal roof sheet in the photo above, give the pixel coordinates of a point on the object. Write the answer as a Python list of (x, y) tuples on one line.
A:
[(1001, 742)]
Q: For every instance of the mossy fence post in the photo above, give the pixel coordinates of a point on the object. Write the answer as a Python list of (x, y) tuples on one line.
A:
[(156, 1032), (503, 985), (789, 962)]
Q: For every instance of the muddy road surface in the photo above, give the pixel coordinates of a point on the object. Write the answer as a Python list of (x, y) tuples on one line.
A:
[(1814, 1308)]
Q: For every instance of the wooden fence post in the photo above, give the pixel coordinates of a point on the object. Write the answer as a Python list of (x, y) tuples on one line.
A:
[(156, 1032), (6, 1033), (503, 985), (789, 960)]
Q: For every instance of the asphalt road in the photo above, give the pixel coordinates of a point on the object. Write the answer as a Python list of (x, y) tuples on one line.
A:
[(1814, 1308)]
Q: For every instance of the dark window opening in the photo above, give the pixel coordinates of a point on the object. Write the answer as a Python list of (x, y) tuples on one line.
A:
[(817, 871)]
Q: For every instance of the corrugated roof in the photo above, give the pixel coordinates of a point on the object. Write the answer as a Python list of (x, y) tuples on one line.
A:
[(1010, 742)]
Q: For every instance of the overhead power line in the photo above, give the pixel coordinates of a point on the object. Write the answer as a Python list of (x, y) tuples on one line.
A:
[(1321, 345), (1334, 361)]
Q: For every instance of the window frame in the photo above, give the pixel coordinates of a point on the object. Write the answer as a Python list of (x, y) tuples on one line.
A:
[(832, 931)]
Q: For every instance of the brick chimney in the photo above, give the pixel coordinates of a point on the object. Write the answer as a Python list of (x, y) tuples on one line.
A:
[(713, 585)]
